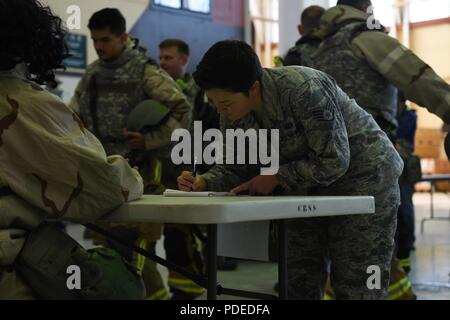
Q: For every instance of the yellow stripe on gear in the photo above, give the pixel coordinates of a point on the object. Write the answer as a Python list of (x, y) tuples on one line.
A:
[(186, 285), (399, 289), (140, 263), (405, 262), (327, 297), (162, 294), (157, 171)]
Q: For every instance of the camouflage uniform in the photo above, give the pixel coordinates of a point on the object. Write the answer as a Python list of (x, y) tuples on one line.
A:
[(300, 54), (367, 64), (105, 97), (183, 243), (369, 88), (328, 146), (54, 168)]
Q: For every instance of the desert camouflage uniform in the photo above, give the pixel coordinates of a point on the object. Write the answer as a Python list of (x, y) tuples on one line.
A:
[(54, 168)]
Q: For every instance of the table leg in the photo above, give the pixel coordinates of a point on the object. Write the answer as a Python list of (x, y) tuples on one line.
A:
[(282, 260), (433, 185), (212, 262), (422, 224)]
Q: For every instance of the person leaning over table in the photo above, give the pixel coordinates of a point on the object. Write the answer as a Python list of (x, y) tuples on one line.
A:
[(328, 146)]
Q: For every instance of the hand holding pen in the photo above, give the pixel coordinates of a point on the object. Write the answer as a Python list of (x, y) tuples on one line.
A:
[(194, 170), (190, 181)]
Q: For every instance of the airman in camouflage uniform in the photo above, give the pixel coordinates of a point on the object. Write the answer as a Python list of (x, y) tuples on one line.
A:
[(328, 146), (104, 98)]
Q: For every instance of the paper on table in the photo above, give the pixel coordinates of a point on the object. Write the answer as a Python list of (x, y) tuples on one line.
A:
[(178, 193)]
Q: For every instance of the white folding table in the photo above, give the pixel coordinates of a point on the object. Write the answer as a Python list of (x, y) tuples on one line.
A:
[(212, 211)]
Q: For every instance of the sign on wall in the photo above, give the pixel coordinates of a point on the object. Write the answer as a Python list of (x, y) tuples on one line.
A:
[(77, 45)]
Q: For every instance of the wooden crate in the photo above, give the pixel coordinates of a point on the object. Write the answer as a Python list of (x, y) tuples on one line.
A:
[(429, 143)]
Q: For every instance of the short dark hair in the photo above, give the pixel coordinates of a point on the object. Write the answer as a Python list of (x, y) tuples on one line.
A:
[(108, 18), (229, 65), (358, 4), (31, 34), (182, 46), (311, 17)]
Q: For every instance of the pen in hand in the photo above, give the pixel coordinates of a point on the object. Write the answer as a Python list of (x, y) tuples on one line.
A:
[(194, 171)]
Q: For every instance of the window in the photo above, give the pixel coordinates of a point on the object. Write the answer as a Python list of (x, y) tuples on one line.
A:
[(201, 6), (265, 15), (425, 10), (169, 3)]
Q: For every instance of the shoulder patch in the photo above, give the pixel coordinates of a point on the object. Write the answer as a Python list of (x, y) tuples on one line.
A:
[(323, 114)]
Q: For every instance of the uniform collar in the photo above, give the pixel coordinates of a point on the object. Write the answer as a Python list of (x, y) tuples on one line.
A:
[(271, 103), (132, 49), (18, 72), (312, 36), (186, 83), (338, 16)]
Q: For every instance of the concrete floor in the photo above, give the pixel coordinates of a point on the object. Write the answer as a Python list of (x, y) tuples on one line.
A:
[(430, 273)]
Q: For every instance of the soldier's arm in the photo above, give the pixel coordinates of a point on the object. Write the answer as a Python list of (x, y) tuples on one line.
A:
[(160, 87), (50, 160), (406, 71), (223, 178), (74, 103), (328, 158)]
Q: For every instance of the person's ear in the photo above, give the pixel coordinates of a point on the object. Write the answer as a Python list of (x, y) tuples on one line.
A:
[(185, 59), (123, 38), (255, 89), (301, 30)]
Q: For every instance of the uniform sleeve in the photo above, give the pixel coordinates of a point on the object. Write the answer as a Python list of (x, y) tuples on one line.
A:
[(74, 103), (159, 86), (328, 155), (50, 160), (225, 177), (406, 71)]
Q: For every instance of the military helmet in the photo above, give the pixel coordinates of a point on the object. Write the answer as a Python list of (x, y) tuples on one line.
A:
[(148, 113)]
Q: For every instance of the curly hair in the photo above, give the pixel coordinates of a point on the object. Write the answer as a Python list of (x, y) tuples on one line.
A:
[(31, 34)]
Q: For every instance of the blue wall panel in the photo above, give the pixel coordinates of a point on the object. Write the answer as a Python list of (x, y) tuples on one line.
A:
[(199, 31)]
